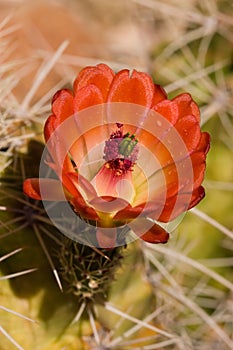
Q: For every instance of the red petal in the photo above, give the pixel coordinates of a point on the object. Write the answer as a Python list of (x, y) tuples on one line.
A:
[(187, 106), (156, 235), (50, 126), (148, 231), (177, 205), (107, 204), (177, 142), (197, 195), (82, 208), (186, 174), (87, 97), (62, 105), (81, 183), (129, 212), (31, 188), (101, 76), (88, 140), (136, 88), (159, 94), (173, 207), (190, 132), (108, 183), (52, 189), (199, 165), (149, 209), (169, 110), (204, 144)]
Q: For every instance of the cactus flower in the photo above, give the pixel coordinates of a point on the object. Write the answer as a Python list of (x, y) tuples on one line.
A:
[(124, 154)]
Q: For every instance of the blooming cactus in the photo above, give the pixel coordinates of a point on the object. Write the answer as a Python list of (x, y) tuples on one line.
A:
[(146, 154)]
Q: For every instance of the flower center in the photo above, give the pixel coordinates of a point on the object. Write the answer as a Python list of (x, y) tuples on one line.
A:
[(121, 151)]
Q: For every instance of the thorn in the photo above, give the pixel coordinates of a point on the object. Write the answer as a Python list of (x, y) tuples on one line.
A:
[(10, 254), (17, 274), (79, 314), (101, 253)]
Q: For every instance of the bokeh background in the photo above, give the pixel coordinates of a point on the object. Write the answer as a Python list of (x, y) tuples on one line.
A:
[(177, 296)]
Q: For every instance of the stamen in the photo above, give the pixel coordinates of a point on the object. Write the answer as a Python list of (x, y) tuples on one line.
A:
[(121, 151)]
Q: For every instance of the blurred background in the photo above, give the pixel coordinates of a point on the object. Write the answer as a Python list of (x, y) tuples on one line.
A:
[(177, 296)]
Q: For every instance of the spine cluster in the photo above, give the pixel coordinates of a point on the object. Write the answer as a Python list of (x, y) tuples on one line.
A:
[(87, 273)]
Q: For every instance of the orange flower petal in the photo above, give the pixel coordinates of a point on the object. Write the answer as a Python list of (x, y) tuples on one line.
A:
[(82, 149), (176, 143), (108, 204), (149, 209), (31, 188), (83, 185), (52, 189), (151, 233), (129, 212), (168, 109), (155, 235), (50, 126), (197, 195), (186, 174), (83, 209), (199, 165), (159, 94), (173, 207), (189, 131), (108, 183), (62, 105), (87, 96), (101, 76), (136, 88), (204, 144), (176, 205), (187, 106)]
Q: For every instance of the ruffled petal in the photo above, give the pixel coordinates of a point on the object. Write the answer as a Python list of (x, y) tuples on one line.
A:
[(50, 126), (137, 88), (176, 205), (180, 203), (173, 207), (159, 94), (186, 106), (198, 165), (52, 189), (189, 131), (128, 213), (86, 97), (62, 105), (156, 235), (148, 231), (31, 188), (108, 205), (204, 143), (186, 174), (108, 183), (180, 141), (197, 195), (83, 209), (101, 76), (82, 185), (169, 110)]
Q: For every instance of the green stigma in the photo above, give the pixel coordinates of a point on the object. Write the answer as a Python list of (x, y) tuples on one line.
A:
[(127, 145)]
